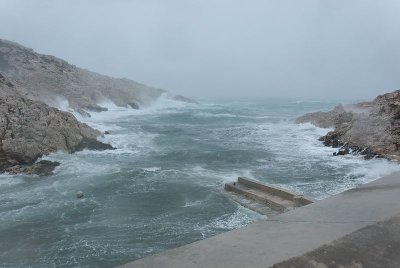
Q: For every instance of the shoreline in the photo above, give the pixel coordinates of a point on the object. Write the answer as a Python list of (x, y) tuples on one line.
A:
[(279, 238)]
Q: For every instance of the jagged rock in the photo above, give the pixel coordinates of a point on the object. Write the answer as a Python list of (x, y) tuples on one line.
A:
[(30, 129), (41, 168), (342, 151), (47, 78), (91, 144), (83, 112), (370, 128), (133, 105)]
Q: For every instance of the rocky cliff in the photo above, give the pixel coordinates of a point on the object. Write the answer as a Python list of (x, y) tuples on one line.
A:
[(50, 79), (371, 128), (30, 129)]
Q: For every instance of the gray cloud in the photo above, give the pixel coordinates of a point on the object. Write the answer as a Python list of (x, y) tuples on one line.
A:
[(251, 49)]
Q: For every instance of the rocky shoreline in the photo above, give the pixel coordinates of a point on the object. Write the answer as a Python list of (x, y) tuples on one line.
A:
[(368, 128)]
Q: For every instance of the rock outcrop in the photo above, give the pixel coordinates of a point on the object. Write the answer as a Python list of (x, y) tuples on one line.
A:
[(52, 80), (371, 128), (30, 129)]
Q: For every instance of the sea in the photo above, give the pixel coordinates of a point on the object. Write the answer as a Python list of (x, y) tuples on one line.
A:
[(163, 186)]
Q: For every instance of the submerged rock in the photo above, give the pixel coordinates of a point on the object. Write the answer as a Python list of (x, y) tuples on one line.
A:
[(369, 128)]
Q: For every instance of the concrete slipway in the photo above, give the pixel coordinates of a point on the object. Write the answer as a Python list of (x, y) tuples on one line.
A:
[(265, 243)]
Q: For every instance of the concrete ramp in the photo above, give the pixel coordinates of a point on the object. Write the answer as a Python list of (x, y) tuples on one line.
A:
[(276, 198)]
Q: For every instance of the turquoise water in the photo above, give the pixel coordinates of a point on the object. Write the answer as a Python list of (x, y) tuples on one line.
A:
[(162, 187)]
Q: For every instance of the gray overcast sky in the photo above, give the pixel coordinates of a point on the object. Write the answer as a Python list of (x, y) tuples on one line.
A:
[(205, 48)]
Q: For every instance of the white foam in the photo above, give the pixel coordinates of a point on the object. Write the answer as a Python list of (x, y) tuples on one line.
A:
[(240, 218), (193, 204), (288, 140), (375, 168), (162, 104), (152, 169), (61, 103), (359, 172), (229, 115), (214, 178), (78, 166), (165, 102), (105, 120), (296, 147)]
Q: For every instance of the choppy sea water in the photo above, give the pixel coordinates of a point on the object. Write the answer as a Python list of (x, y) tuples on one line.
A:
[(162, 187)]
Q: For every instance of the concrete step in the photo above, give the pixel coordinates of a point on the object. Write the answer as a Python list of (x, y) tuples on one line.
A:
[(271, 196)]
